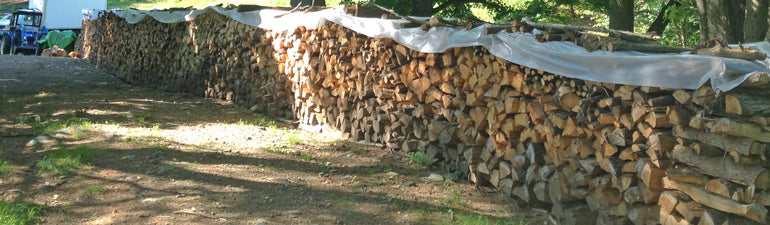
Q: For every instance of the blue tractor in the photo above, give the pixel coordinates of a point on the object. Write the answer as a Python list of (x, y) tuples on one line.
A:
[(23, 32)]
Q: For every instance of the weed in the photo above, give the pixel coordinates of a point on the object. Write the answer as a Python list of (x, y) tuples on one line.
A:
[(347, 203), (79, 135), (421, 159), (264, 120), (306, 157), (156, 126), (28, 119), (281, 150), (5, 168), (455, 172), (93, 189), (354, 150), (19, 213), (452, 201), (464, 218), (62, 161), (51, 126), (294, 139)]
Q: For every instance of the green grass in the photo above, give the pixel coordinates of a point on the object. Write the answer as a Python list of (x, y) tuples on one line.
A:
[(5, 168), (475, 219), (280, 150), (93, 189), (12, 213), (294, 139), (264, 120), (40, 127), (63, 161), (421, 159)]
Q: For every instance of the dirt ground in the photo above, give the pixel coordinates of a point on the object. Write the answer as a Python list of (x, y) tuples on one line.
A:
[(166, 158)]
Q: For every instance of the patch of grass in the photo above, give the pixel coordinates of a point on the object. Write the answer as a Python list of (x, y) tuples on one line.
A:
[(281, 150), (63, 161), (51, 126), (263, 120), (355, 150), (16, 213), (463, 218), (421, 159), (28, 119), (294, 139), (5, 168), (455, 200), (306, 157), (93, 189)]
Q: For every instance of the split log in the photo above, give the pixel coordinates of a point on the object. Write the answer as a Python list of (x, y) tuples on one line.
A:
[(755, 212), (755, 176)]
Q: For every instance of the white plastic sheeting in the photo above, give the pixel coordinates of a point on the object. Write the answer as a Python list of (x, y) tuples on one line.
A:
[(682, 71)]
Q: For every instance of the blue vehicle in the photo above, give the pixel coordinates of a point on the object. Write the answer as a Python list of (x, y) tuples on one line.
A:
[(23, 32)]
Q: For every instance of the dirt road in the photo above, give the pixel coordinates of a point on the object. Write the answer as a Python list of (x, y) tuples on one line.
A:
[(125, 154)]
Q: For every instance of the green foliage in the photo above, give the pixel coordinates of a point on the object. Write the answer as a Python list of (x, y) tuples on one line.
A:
[(421, 159), (13, 213), (281, 150), (264, 120), (93, 189), (5, 168), (63, 161), (50, 126), (294, 139), (474, 219), (683, 29)]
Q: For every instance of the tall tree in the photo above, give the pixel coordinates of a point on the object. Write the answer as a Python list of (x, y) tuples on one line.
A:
[(755, 26), (622, 15), (422, 8), (721, 19)]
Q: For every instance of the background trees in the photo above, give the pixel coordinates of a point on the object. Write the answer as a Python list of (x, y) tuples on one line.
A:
[(679, 22)]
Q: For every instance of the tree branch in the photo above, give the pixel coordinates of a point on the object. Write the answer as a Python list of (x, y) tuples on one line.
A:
[(629, 36), (449, 3), (661, 21)]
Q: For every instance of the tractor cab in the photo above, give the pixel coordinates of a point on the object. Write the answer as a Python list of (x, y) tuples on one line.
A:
[(23, 31)]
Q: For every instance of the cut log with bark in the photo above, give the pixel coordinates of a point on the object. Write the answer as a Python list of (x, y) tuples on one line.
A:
[(754, 212), (755, 176)]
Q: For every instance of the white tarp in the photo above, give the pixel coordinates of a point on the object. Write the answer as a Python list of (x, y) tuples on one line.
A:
[(681, 71)]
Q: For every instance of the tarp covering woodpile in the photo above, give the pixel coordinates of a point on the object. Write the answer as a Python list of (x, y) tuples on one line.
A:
[(595, 137)]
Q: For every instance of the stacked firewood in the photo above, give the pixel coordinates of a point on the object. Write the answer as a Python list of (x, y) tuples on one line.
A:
[(590, 152)]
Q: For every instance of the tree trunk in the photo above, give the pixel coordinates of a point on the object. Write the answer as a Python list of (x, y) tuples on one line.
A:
[(712, 14), (422, 8), (294, 3), (755, 26), (622, 15), (661, 21)]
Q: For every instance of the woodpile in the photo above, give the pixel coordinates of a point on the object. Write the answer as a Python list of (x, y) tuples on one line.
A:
[(55, 51), (590, 152)]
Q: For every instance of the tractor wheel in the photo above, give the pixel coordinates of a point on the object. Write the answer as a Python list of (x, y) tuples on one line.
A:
[(5, 45), (38, 49)]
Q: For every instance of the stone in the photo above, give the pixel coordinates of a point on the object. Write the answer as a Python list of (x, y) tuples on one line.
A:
[(433, 177), (39, 140)]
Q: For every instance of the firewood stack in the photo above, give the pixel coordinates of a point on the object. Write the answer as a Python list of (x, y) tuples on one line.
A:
[(590, 152)]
